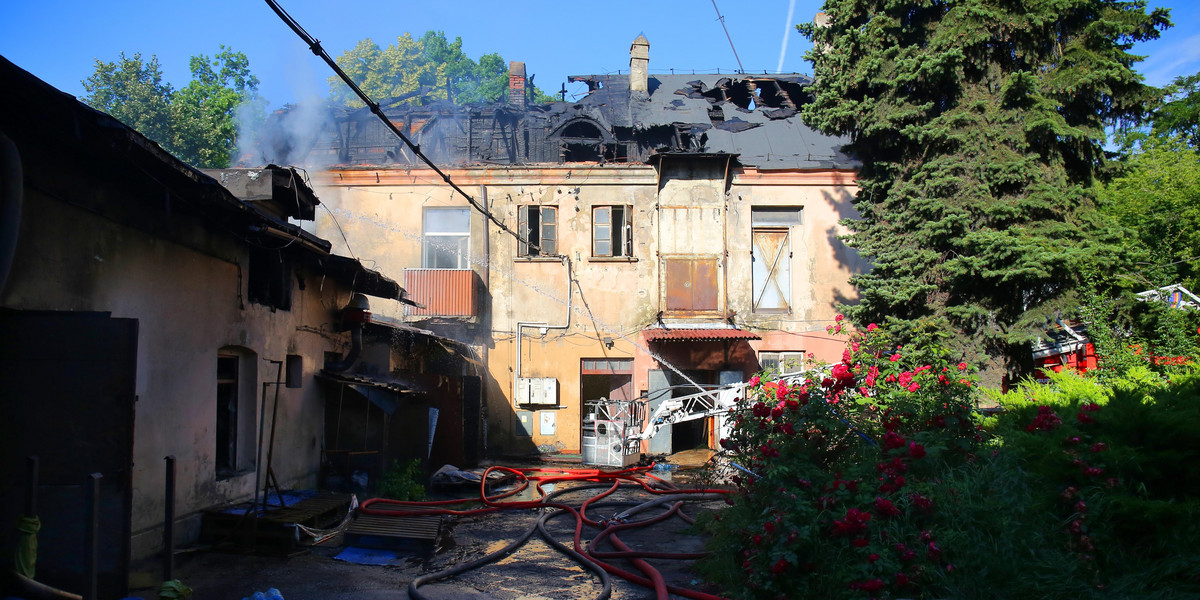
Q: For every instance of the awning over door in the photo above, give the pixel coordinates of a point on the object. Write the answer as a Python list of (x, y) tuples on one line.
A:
[(658, 334)]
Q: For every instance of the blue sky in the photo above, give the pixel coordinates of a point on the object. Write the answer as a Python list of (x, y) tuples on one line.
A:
[(60, 40)]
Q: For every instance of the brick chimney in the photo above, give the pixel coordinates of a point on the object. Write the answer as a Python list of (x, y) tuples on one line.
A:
[(516, 84), (639, 65)]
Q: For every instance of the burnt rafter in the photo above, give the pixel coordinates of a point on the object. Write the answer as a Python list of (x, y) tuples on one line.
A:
[(753, 116)]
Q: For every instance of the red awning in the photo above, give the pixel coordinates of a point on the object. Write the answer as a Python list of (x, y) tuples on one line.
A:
[(698, 335)]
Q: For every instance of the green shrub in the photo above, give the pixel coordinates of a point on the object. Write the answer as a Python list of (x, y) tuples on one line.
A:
[(870, 479), (403, 481)]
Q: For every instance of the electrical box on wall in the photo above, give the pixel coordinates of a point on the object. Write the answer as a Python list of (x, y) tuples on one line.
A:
[(537, 391)]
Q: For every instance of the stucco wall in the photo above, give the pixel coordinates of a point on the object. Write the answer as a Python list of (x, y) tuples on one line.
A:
[(189, 304), (681, 208)]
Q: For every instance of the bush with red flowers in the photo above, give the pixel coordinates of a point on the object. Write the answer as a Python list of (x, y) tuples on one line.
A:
[(837, 473), (871, 478)]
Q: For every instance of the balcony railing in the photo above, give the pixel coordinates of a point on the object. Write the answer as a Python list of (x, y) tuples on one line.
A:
[(444, 292)]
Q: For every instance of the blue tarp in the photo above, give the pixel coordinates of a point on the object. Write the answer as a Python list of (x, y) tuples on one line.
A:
[(367, 556)]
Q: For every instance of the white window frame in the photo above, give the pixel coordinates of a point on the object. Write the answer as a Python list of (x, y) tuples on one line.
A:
[(610, 240), (778, 360), (545, 236), (458, 242)]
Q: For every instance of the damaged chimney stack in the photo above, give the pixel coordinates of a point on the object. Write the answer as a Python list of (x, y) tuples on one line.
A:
[(516, 84), (639, 65)]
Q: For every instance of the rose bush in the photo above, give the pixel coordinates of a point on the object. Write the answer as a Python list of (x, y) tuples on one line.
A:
[(871, 478), (838, 472)]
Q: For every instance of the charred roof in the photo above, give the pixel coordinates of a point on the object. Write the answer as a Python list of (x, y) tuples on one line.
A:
[(753, 116)]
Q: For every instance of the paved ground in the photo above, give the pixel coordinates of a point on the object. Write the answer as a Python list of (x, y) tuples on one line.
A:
[(534, 571)]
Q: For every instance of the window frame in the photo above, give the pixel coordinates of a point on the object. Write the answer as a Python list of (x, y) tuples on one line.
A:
[(779, 358), (228, 403), (765, 220), (430, 245), (617, 237), (546, 235)]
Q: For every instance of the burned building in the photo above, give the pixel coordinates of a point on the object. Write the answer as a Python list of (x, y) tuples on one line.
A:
[(675, 229), (148, 309)]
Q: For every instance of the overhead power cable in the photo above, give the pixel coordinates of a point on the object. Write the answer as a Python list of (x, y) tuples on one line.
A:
[(727, 36), (315, 46)]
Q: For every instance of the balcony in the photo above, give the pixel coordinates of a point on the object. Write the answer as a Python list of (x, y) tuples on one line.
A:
[(443, 292)]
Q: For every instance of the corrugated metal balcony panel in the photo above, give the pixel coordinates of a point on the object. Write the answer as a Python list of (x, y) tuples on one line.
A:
[(444, 292)]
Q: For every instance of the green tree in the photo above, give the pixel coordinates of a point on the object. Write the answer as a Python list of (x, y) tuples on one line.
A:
[(1156, 200), (198, 123), (431, 61), (205, 113), (1179, 114), (133, 91), (979, 126)]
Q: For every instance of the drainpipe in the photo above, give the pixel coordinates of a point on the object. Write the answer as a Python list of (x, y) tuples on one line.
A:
[(522, 324), (356, 312)]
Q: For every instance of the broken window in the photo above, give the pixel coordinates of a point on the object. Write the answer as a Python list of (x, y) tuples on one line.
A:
[(582, 142), (538, 225), (447, 238), (269, 281), (771, 255), (612, 231), (581, 153)]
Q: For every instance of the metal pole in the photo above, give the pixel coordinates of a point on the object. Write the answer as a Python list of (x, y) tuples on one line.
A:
[(169, 522), (31, 486), (262, 424), (735, 54), (271, 444), (92, 544)]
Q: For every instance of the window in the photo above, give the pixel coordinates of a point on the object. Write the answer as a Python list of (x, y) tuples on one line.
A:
[(227, 413), (612, 231), (270, 278), (237, 375), (781, 362), (447, 238), (771, 255), (538, 225)]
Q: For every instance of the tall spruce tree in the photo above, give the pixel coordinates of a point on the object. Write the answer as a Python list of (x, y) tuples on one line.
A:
[(979, 125)]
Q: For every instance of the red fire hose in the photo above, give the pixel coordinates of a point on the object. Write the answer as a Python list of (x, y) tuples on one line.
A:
[(610, 481)]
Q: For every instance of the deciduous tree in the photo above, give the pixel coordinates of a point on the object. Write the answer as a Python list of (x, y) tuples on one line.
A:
[(206, 112), (197, 123), (979, 125), (133, 91), (431, 61)]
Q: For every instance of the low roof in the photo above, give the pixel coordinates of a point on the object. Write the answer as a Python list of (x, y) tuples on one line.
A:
[(658, 334), (53, 128)]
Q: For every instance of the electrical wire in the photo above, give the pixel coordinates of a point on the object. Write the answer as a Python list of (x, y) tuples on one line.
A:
[(315, 46)]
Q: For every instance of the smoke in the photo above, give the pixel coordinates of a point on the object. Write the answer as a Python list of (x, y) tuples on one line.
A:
[(288, 136), (787, 29)]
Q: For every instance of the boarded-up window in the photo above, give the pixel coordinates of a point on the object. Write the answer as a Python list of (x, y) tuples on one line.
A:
[(691, 284), (538, 225), (772, 258)]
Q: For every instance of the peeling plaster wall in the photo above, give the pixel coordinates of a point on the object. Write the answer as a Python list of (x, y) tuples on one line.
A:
[(682, 209), (189, 304)]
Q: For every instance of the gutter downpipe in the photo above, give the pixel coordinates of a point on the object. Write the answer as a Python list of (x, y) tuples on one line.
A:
[(522, 324)]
